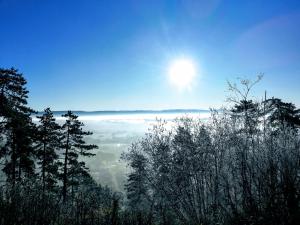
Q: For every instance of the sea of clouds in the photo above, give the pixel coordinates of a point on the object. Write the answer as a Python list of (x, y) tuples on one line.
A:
[(114, 133)]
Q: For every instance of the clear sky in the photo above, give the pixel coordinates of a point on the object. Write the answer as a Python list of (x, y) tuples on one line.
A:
[(112, 55)]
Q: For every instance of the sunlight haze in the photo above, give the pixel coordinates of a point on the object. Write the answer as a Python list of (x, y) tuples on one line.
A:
[(103, 55)]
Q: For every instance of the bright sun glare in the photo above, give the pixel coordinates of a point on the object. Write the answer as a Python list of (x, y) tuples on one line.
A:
[(181, 73)]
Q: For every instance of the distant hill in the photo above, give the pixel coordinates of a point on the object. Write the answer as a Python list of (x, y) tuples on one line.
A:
[(126, 112)]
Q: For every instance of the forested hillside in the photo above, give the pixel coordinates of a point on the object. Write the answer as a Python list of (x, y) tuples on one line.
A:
[(242, 166)]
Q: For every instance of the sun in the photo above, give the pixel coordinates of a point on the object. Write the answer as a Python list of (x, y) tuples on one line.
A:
[(182, 73)]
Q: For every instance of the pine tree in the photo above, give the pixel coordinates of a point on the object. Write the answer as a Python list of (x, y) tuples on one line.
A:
[(137, 183), (16, 124), (48, 143), (282, 114), (248, 110), (74, 146)]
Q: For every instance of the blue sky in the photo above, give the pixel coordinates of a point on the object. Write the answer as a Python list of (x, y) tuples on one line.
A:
[(112, 55)]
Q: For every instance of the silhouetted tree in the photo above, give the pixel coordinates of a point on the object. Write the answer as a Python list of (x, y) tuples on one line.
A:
[(28, 197), (282, 114), (17, 126), (74, 145), (47, 147)]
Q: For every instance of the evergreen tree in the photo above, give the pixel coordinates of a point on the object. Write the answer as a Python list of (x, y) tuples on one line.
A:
[(13, 93), (16, 124), (48, 143), (74, 146), (248, 110), (282, 114), (137, 183)]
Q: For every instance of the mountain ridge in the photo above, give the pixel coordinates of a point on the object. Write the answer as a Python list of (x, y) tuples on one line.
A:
[(116, 112)]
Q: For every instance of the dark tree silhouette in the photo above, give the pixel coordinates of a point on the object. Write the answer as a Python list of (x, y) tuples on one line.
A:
[(29, 194), (74, 145), (17, 124), (282, 114), (47, 147)]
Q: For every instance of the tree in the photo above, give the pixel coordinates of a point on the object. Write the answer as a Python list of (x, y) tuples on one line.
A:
[(244, 107), (47, 145), (25, 199), (74, 146), (282, 113), (137, 187), (16, 125), (231, 169)]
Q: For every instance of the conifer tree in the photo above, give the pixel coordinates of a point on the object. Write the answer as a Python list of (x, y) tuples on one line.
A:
[(48, 143), (17, 126), (282, 113), (137, 186), (74, 146), (248, 110)]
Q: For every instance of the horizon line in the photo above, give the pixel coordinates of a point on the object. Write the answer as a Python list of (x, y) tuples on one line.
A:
[(132, 111)]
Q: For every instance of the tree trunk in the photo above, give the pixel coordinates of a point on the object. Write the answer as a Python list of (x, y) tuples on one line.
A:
[(65, 176), (43, 166)]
